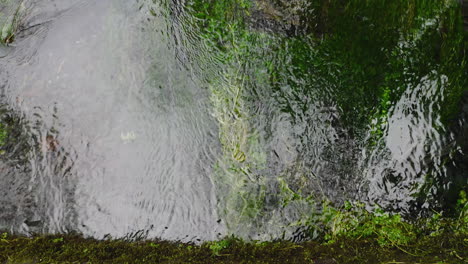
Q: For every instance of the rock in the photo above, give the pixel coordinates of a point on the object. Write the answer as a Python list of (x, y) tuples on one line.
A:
[(293, 17)]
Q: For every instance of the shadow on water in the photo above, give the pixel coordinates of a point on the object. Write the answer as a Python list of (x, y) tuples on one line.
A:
[(195, 119)]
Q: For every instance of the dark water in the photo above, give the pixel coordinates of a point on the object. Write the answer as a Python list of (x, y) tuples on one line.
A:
[(189, 121)]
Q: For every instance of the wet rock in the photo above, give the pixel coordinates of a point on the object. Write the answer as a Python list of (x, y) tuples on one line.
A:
[(277, 16), (292, 17)]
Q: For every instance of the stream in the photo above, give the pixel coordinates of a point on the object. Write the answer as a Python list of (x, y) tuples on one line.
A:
[(136, 124)]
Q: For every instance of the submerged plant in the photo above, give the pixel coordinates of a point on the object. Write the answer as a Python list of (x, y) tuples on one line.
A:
[(352, 59), (12, 24), (3, 135)]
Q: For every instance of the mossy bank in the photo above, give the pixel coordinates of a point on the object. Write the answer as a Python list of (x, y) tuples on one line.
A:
[(348, 235), (76, 249)]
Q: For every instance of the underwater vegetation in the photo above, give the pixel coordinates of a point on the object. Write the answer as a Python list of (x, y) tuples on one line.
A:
[(356, 60), (13, 135), (10, 24)]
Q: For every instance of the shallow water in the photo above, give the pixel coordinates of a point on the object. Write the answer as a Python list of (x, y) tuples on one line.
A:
[(135, 139), (139, 122)]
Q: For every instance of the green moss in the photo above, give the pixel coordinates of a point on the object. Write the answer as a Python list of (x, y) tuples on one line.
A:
[(76, 249)]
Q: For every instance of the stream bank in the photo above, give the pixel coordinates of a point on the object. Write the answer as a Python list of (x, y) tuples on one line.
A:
[(76, 249)]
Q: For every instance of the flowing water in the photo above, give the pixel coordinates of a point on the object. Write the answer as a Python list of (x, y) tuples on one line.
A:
[(135, 141), (163, 119)]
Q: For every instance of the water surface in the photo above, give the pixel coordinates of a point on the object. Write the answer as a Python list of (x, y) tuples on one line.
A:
[(192, 120), (135, 141)]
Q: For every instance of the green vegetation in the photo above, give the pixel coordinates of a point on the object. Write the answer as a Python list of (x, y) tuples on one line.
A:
[(359, 57), (13, 137), (4, 132), (389, 230), (3, 135), (353, 221), (10, 24), (372, 53), (75, 249), (240, 187)]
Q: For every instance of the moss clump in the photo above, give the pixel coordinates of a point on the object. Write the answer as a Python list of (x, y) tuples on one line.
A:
[(76, 249)]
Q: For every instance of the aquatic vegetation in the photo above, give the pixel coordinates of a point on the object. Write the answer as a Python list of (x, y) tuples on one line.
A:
[(217, 246), (242, 153), (3, 135), (355, 220), (239, 183), (11, 24), (14, 138), (5, 126), (356, 59)]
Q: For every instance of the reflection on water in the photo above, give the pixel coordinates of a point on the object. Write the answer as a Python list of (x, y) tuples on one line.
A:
[(182, 120)]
